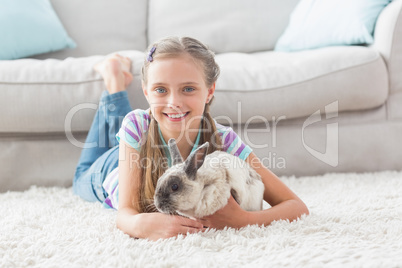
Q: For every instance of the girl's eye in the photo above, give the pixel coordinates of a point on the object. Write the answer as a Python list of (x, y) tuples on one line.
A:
[(188, 89), (160, 90)]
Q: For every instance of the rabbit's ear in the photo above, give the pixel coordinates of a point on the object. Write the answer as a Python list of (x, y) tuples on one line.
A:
[(195, 160), (174, 152)]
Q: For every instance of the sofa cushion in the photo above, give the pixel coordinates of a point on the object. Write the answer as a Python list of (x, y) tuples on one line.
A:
[(100, 27), (235, 25), (56, 95), (274, 84)]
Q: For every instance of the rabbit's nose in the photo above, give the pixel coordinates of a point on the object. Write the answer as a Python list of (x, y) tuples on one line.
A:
[(163, 195)]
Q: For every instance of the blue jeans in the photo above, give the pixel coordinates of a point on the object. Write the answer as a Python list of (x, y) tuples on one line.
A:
[(100, 154)]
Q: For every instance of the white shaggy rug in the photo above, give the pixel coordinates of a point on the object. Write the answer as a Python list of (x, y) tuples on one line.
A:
[(355, 221)]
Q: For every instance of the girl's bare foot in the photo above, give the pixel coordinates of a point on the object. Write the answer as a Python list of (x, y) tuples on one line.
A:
[(115, 71)]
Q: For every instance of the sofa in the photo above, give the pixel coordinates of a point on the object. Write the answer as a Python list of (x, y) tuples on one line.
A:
[(331, 109)]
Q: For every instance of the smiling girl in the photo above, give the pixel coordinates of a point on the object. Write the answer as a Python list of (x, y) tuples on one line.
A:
[(178, 81)]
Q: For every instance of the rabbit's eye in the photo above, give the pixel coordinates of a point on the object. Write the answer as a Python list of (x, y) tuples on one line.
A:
[(175, 187)]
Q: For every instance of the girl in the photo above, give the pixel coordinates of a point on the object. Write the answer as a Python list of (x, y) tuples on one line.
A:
[(178, 81)]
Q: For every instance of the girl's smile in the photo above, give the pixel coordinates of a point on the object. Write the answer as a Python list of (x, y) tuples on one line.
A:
[(176, 117)]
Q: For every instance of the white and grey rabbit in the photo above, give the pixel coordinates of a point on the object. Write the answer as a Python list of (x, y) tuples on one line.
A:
[(203, 183)]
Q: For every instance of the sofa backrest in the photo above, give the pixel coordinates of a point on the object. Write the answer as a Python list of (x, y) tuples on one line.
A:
[(225, 25), (101, 27)]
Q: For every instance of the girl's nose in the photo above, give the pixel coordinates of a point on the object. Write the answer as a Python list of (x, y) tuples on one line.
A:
[(174, 108), (170, 105), (174, 102)]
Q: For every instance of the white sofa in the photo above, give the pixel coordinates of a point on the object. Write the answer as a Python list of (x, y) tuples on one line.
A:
[(334, 109)]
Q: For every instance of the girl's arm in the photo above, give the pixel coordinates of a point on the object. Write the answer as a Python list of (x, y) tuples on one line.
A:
[(284, 203), (127, 215), (143, 225)]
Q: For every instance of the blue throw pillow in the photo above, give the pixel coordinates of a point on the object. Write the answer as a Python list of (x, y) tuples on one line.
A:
[(30, 27), (320, 23)]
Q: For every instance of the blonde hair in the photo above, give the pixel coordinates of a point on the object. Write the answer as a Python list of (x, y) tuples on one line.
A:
[(152, 156)]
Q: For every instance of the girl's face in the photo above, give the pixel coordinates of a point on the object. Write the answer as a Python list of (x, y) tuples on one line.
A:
[(177, 93)]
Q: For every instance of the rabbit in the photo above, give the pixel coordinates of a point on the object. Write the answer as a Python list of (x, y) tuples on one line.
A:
[(203, 183)]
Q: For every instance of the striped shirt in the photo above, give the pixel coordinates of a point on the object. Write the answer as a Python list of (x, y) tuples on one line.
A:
[(134, 130)]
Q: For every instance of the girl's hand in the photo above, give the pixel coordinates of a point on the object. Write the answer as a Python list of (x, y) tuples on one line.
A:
[(231, 215), (158, 225)]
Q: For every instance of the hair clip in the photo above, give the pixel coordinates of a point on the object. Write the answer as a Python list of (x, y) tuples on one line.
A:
[(150, 54)]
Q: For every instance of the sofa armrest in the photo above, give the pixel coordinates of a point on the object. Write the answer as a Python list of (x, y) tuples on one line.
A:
[(388, 41)]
